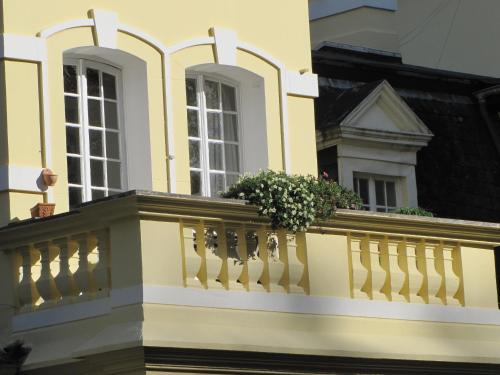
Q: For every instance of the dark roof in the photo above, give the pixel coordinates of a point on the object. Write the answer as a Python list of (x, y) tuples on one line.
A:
[(337, 104), (458, 173)]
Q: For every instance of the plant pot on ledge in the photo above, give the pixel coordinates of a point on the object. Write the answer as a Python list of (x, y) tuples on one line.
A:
[(43, 210)]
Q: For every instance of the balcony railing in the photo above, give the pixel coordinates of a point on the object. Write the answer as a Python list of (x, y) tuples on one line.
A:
[(107, 249)]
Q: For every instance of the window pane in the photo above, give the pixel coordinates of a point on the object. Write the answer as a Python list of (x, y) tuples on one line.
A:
[(191, 98), (216, 184), (114, 175), (232, 158), (214, 126), (93, 87), (192, 117), (215, 156), (112, 145), (109, 86), (228, 98), (74, 170), (71, 109), (194, 154), (72, 140), (363, 190), (111, 115), (391, 193), (95, 138), (230, 127), (212, 94), (75, 196), (94, 112), (98, 194), (231, 179), (96, 172), (195, 183), (70, 82), (379, 193)]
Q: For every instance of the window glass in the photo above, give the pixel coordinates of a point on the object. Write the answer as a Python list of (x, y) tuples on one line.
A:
[(228, 98), (391, 193), (111, 115), (377, 192), (214, 126), (72, 140), (212, 94), (191, 97), (109, 86), (193, 129), (95, 139), (94, 112), (216, 184), (230, 127), (71, 109), (194, 154), (215, 156), (93, 85), (70, 79)]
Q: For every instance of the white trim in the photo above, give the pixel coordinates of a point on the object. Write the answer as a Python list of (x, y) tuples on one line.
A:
[(105, 28), (22, 47), (325, 8), (302, 84), (225, 45), (255, 301), (21, 178), (143, 36), (60, 314), (64, 26), (190, 43)]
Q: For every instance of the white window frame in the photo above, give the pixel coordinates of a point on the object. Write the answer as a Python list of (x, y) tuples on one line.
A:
[(81, 65), (372, 197), (203, 129)]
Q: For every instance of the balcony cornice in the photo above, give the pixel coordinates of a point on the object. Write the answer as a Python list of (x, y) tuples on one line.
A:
[(151, 205)]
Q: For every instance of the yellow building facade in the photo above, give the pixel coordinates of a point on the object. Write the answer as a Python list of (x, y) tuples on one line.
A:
[(124, 98)]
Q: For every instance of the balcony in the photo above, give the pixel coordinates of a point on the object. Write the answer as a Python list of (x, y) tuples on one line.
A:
[(168, 271)]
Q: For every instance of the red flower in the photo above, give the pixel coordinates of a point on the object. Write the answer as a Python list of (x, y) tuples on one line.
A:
[(324, 174)]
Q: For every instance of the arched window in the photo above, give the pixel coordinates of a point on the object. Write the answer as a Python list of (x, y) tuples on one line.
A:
[(94, 141), (227, 126), (215, 154)]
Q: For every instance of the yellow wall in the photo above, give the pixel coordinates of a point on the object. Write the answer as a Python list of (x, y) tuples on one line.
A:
[(279, 28)]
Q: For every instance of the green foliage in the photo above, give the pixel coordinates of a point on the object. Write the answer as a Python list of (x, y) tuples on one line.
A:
[(416, 211), (292, 202)]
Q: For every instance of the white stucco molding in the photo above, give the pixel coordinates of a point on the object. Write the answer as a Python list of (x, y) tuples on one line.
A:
[(21, 178), (106, 29), (302, 84), (225, 45), (22, 47), (255, 301)]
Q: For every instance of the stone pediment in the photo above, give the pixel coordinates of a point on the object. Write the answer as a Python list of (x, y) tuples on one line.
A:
[(383, 116)]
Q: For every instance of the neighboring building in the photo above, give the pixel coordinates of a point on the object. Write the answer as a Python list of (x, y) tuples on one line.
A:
[(431, 138), (452, 35), (146, 110)]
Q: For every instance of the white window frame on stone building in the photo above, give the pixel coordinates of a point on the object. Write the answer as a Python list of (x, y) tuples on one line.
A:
[(379, 193), (210, 174), (94, 143)]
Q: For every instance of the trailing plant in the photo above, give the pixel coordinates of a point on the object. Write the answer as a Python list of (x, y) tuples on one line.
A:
[(292, 202), (416, 211)]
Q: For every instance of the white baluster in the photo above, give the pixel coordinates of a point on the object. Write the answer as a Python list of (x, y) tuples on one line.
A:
[(415, 277), (64, 279), (26, 289), (359, 271), (235, 265), (276, 265), (193, 258), (452, 280), (255, 264), (45, 284), (378, 274), (398, 276), (434, 279), (102, 271), (83, 276)]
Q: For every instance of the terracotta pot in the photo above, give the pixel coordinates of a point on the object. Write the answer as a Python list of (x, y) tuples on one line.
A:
[(49, 177), (43, 210)]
